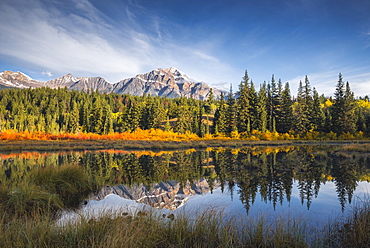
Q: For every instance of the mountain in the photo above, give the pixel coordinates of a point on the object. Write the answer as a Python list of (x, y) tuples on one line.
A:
[(160, 82), (9, 79)]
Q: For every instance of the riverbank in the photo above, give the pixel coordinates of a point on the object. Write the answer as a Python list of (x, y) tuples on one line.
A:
[(100, 144)]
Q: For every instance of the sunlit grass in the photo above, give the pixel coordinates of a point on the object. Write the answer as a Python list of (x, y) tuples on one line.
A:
[(211, 228), (46, 190)]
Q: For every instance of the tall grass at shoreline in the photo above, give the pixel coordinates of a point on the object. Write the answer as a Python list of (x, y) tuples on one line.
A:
[(45, 191), (353, 230), (211, 228)]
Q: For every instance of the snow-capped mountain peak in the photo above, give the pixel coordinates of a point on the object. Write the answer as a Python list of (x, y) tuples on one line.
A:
[(16, 79), (16, 75), (179, 76), (169, 82)]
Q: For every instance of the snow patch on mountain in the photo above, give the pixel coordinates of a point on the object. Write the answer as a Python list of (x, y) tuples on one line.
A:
[(169, 82)]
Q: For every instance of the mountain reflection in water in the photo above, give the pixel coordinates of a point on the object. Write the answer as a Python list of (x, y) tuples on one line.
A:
[(301, 178)]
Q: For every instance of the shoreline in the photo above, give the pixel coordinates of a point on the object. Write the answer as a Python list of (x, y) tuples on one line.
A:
[(82, 145)]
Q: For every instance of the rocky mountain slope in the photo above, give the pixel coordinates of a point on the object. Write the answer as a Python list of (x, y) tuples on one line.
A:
[(160, 82), (9, 79)]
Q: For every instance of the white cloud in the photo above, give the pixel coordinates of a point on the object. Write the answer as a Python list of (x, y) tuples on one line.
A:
[(47, 73), (205, 56), (85, 42), (51, 40)]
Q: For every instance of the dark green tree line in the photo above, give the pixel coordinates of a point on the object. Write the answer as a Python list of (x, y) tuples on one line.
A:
[(271, 108)]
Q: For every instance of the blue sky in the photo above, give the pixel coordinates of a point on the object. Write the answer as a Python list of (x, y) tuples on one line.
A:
[(212, 41)]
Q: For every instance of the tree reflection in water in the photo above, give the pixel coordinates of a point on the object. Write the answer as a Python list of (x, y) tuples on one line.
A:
[(262, 171)]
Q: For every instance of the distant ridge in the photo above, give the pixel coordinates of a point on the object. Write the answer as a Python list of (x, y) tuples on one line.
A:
[(169, 82)]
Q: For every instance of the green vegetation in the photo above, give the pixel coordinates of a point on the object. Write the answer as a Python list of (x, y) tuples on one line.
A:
[(242, 115), (266, 171), (209, 229), (44, 191)]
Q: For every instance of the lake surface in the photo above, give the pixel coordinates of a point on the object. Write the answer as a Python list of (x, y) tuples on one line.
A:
[(317, 183)]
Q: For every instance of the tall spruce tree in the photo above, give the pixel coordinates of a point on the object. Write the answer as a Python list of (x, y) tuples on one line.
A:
[(317, 114), (308, 99), (209, 103), (107, 120), (273, 103), (300, 113), (231, 112), (262, 108), (343, 109), (253, 107), (285, 122), (199, 118), (277, 108), (220, 119), (243, 105), (185, 116)]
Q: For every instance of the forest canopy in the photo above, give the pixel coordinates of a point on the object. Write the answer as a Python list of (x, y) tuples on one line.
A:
[(248, 112)]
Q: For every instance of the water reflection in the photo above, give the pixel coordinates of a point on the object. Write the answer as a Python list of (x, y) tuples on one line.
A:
[(252, 176)]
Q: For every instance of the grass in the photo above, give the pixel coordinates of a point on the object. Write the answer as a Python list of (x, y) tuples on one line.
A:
[(46, 191), (211, 228), (352, 231)]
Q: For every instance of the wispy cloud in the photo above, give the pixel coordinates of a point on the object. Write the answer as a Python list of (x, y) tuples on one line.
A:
[(77, 38), (325, 82), (48, 38), (205, 56), (47, 73)]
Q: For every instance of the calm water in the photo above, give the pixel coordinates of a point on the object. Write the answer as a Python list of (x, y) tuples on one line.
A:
[(312, 182)]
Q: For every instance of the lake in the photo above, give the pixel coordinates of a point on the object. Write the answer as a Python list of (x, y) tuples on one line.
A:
[(315, 183)]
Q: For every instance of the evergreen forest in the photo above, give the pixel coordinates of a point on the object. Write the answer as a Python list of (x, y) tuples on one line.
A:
[(272, 109)]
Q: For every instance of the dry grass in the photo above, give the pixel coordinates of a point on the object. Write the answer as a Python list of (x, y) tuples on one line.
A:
[(354, 230), (211, 228)]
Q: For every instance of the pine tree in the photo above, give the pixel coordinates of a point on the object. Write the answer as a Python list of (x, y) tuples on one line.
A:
[(153, 114), (350, 110), (73, 126), (202, 127), (107, 126), (167, 126), (220, 119), (273, 103), (285, 122), (184, 115), (96, 117), (231, 113), (308, 99), (300, 113), (85, 115), (317, 114), (343, 109), (243, 105), (262, 108), (253, 109), (277, 102), (209, 103), (133, 115)]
